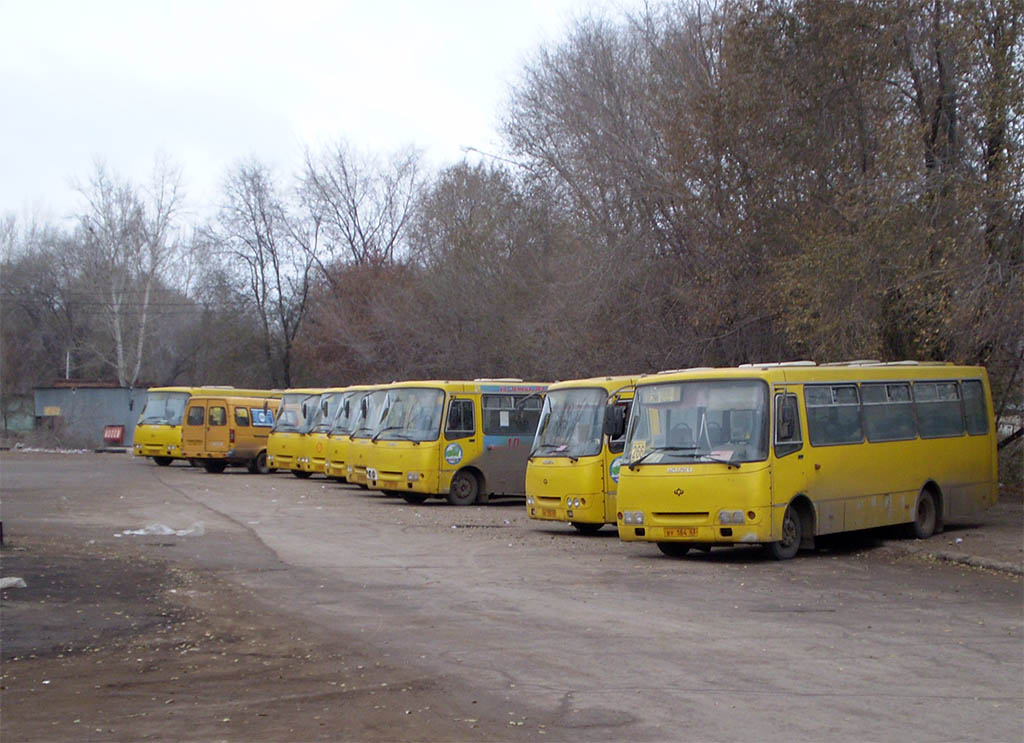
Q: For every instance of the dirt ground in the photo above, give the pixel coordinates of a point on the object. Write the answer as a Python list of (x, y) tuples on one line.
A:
[(307, 610)]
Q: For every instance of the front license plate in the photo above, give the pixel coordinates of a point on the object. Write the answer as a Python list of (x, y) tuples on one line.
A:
[(547, 513), (680, 531)]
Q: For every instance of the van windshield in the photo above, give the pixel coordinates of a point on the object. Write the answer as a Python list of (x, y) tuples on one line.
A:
[(164, 408)]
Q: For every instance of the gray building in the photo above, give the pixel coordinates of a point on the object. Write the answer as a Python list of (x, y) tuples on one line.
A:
[(78, 413)]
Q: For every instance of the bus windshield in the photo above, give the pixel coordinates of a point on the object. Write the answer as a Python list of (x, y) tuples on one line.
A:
[(412, 414), (368, 419), (347, 414), (571, 423), (291, 418), (164, 408), (700, 421), (325, 412)]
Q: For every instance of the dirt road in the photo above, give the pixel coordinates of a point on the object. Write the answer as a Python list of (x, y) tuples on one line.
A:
[(307, 610)]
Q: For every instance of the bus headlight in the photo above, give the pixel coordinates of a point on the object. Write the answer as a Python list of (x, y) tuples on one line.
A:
[(529, 500), (413, 476), (730, 517), (633, 517)]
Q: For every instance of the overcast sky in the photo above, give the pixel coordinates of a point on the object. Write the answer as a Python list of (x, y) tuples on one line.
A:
[(208, 83)]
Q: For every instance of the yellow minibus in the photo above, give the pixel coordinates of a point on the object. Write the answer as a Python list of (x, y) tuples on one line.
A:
[(158, 431), (225, 430), (342, 426), (286, 449), (318, 438), (459, 440), (572, 474), (778, 454), (368, 418)]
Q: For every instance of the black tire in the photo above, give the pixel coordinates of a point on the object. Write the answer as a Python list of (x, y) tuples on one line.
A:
[(584, 528), (792, 534), (414, 498), (163, 461), (464, 490), (215, 466), (673, 549), (925, 516), (302, 474), (258, 466)]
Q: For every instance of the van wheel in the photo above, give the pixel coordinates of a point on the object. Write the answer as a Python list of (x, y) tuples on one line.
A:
[(673, 549), (302, 474), (162, 461), (792, 532), (464, 489), (215, 466), (258, 466), (923, 525), (583, 528)]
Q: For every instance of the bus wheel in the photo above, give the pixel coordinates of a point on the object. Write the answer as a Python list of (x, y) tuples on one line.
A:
[(464, 489), (673, 549), (258, 466), (413, 498), (923, 525), (162, 461), (792, 532), (215, 466), (583, 528), (302, 475)]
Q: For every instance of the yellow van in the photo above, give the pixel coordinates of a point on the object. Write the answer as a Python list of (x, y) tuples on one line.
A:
[(286, 447), (221, 431), (339, 434), (573, 471), (460, 440), (158, 431)]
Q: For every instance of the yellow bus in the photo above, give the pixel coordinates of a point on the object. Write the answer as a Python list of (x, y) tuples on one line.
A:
[(158, 431), (572, 474), (460, 440), (286, 449), (344, 422), (368, 418), (318, 438), (778, 454), (225, 430)]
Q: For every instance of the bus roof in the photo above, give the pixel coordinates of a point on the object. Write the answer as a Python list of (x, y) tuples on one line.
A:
[(808, 371), (505, 386), (610, 384)]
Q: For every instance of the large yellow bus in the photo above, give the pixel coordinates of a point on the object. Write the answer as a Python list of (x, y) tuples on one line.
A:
[(338, 437), (572, 474), (778, 454), (459, 440), (286, 448), (158, 431), (223, 430), (368, 419)]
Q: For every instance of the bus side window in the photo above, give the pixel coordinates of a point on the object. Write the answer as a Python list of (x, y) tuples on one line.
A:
[(460, 420), (787, 425), (974, 407), (617, 444)]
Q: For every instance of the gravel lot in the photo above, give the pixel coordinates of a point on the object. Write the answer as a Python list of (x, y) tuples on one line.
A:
[(308, 610)]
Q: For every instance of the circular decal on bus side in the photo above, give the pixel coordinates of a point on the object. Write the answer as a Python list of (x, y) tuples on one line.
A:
[(613, 470), (453, 454)]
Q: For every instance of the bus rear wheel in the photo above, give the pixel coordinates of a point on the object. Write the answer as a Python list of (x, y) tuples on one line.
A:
[(792, 533), (673, 549), (925, 516), (464, 489), (162, 461), (585, 528)]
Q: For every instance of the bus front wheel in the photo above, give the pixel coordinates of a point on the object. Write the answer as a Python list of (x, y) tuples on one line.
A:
[(413, 498), (162, 461), (792, 532), (585, 528), (464, 489), (923, 525), (673, 549), (302, 474)]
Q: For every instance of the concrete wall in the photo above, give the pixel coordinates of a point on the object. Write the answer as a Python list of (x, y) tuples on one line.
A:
[(78, 415)]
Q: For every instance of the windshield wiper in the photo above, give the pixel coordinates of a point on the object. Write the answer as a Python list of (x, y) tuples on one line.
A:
[(386, 428), (559, 450), (709, 458), (633, 464)]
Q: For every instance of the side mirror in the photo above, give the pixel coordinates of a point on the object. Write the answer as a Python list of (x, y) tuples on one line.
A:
[(614, 421)]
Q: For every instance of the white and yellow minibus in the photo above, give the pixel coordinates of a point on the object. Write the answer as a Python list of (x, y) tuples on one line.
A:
[(459, 440), (778, 454), (286, 449), (573, 470), (158, 431)]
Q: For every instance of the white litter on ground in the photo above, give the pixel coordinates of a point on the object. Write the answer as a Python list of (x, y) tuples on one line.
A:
[(162, 530), (12, 583)]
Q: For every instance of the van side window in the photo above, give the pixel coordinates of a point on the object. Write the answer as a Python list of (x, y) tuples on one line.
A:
[(460, 419), (196, 415), (241, 417), (218, 416)]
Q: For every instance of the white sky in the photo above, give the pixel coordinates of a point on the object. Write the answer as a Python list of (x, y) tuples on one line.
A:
[(209, 82)]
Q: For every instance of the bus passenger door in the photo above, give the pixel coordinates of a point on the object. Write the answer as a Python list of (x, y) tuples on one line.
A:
[(790, 466)]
